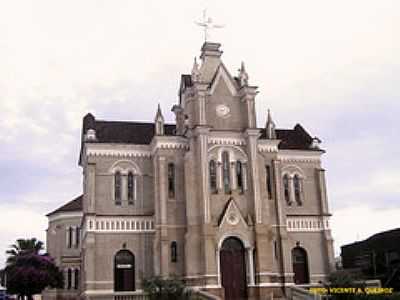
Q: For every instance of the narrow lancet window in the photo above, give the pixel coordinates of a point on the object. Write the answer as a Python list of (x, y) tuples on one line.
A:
[(239, 176), (77, 236), (268, 181), (213, 177), (76, 279), (297, 189), (69, 279), (286, 188), (174, 252), (131, 188), (171, 180), (117, 187), (225, 172)]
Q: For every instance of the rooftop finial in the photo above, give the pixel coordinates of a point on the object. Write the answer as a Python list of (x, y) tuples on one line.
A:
[(159, 120), (243, 76), (195, 71), (207, 24), (270, 127)]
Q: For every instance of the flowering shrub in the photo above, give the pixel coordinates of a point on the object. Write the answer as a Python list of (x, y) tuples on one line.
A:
[(31, 273)]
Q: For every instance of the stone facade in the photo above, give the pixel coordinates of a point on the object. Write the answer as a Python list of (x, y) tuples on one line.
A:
[(173, 195)]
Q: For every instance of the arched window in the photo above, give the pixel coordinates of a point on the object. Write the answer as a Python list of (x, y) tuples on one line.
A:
[(174, 252), (76, 279), (131, 188), (286, 188), (213, 177), (225, 172), (117, 187), (171, 180), (69, 279), (297, 189), (239, 175)]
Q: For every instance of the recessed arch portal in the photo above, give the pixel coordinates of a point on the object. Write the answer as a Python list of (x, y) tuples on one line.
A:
[(233, 269), (300, 265), (124, 271)]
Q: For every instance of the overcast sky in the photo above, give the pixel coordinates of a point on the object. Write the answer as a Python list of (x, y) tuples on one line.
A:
[(333, 66)]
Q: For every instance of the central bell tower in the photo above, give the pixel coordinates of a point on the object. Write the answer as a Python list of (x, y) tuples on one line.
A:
[(210, 96)]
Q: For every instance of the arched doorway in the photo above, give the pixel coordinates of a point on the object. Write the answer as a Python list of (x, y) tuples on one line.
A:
[(124, 271), (300, 265), (233, 269)]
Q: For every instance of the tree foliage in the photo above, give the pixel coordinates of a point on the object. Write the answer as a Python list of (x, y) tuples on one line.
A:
[(28, 272), (165, 289), (23, 246)]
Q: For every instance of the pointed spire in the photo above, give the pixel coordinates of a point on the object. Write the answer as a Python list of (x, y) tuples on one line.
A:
[(195, 71), (159, 120), (243, 76), (270, 127)]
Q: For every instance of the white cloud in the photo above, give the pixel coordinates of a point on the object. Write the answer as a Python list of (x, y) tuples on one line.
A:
[(19, 222)]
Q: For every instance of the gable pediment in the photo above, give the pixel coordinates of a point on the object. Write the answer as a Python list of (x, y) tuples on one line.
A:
[(231, 216), (224, 79)]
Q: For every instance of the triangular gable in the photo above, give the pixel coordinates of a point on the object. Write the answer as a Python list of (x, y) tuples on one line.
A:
[(223, 74), (232, 216)]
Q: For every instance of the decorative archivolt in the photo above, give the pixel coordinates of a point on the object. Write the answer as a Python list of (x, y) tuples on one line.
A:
[(292, 170), (124, 167), (235, 153)]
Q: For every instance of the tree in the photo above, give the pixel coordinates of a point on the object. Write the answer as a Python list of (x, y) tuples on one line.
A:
[(31, 273), (28, 272), (23, 246)]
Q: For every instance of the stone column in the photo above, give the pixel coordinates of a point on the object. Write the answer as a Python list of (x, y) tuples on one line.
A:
[(251, 265), (164, 241), (233, 179), (285, 265), (325, 211), (252, 137), (90, 193)]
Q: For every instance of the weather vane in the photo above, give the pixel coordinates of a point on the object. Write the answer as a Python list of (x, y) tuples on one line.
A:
[(208, 25)]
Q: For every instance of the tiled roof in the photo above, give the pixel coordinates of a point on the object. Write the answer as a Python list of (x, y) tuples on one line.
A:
[(73, 205)]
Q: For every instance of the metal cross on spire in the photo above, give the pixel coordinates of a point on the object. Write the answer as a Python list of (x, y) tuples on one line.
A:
[(208, 25)]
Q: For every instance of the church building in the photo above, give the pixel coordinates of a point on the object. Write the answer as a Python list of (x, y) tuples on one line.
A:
[(234, 209)]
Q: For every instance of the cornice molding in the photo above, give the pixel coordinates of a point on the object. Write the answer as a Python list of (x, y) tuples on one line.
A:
[(299, 156), (268, 145), (116, 150), (214, 140), (64, 215)]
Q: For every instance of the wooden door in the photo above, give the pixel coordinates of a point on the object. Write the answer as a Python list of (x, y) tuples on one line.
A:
[(300, 265), (233, 269), (124, 271)]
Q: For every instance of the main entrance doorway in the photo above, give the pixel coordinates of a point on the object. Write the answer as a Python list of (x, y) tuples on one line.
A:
[(124, 271), (233, 269)]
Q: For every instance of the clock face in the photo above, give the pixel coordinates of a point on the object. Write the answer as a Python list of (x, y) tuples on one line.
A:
[(222, 110)]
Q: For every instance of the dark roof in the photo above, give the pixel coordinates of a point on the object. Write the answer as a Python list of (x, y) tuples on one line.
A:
[(73, 205), (141, 133), (128, 132), (296, 138)]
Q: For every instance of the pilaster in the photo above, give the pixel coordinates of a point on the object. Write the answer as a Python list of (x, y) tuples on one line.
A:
[(252, 137)]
